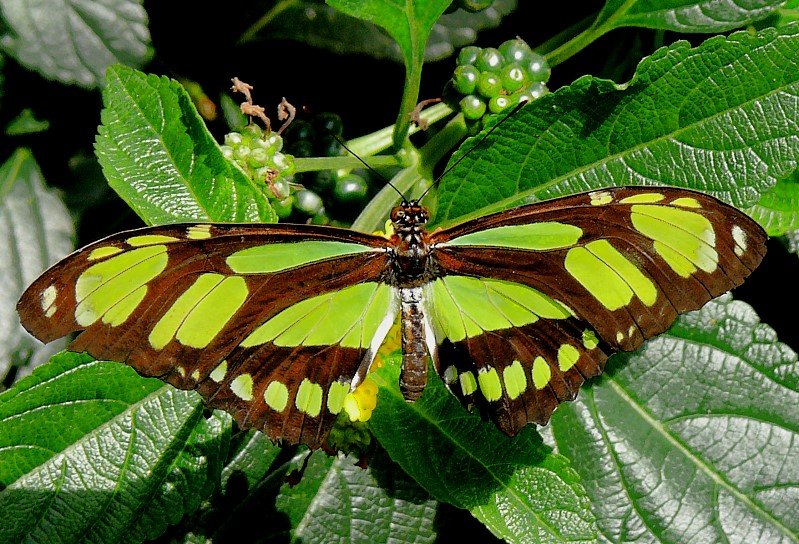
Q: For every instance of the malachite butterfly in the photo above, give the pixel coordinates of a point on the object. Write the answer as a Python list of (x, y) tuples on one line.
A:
[(278, 324)]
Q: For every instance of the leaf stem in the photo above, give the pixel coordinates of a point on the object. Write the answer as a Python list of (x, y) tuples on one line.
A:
[(265, 19)]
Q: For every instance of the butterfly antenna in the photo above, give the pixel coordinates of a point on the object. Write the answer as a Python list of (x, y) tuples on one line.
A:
[(513, 112), (375, 172)]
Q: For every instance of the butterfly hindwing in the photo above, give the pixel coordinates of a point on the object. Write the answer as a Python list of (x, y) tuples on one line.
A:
[(567, 282), (238, 312)]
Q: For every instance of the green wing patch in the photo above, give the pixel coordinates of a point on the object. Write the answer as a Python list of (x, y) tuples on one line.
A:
[(621, 263)]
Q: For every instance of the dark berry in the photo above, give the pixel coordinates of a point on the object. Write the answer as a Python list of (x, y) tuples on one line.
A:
[(328, 123), (300, 130), (351, 189), (328, 147), (308, 202)]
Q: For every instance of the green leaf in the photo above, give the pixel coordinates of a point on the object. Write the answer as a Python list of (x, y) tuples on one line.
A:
[(160, 158), (26, 123), (336, 497), (719, 118), (693, 438), (91, 452), (409, 22), (74, 42), (36, 230), (684, 16), (788, 13), (515, 486), (778, 209), (324, 27)]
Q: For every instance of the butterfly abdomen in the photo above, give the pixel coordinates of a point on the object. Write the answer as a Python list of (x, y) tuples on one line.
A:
[(413, 376)]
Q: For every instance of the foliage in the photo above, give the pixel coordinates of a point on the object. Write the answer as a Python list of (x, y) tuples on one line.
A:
[(689, 439)]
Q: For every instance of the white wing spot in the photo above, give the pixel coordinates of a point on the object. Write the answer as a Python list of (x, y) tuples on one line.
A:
[(48, 301), (739, 236)]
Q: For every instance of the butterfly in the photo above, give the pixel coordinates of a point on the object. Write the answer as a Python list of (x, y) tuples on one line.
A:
[(277, 324)]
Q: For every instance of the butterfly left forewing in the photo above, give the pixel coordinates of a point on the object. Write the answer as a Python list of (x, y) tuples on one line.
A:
[(622, 263), (215, 308)]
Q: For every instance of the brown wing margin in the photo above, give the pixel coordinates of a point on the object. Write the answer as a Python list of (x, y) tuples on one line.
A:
[(627, 327), (47, 309)]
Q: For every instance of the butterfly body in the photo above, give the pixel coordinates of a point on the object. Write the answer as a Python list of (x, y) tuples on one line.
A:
[(278, 324)]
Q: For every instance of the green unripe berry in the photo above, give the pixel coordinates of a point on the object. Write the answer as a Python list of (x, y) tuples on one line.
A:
[(538, 69), (242, 153), (280, 188), (489, 60), (308, 202), (468, 55), (320, 218), (516, 51), (258, 157), (351, 189), (489, 85), (227, 151), (283, 207), (328, 123), (537, 90), (464, 79), (513, 77), (472, 107), (233, 139), (498, 103)]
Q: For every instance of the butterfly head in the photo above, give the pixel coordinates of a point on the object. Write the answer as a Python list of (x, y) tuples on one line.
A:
[(409, 216)]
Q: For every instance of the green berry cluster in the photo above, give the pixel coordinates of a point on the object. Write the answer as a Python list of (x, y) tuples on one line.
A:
[(259, 154), (488, 80), (351, 437), (328, 196)]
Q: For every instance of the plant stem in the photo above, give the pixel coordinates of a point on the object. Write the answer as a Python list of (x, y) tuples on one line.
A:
[(314, 164), (265, 19), (380, 140), (563, 37)]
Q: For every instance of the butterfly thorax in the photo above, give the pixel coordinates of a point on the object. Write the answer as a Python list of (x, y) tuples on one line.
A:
[(410, 247)]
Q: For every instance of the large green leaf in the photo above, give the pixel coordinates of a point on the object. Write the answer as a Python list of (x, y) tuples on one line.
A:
[(778, 209), (91, 452), (159, 157), (684, 15), (693, 438), (515, 486), (35, 231), (73, 41), (718, 118)]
